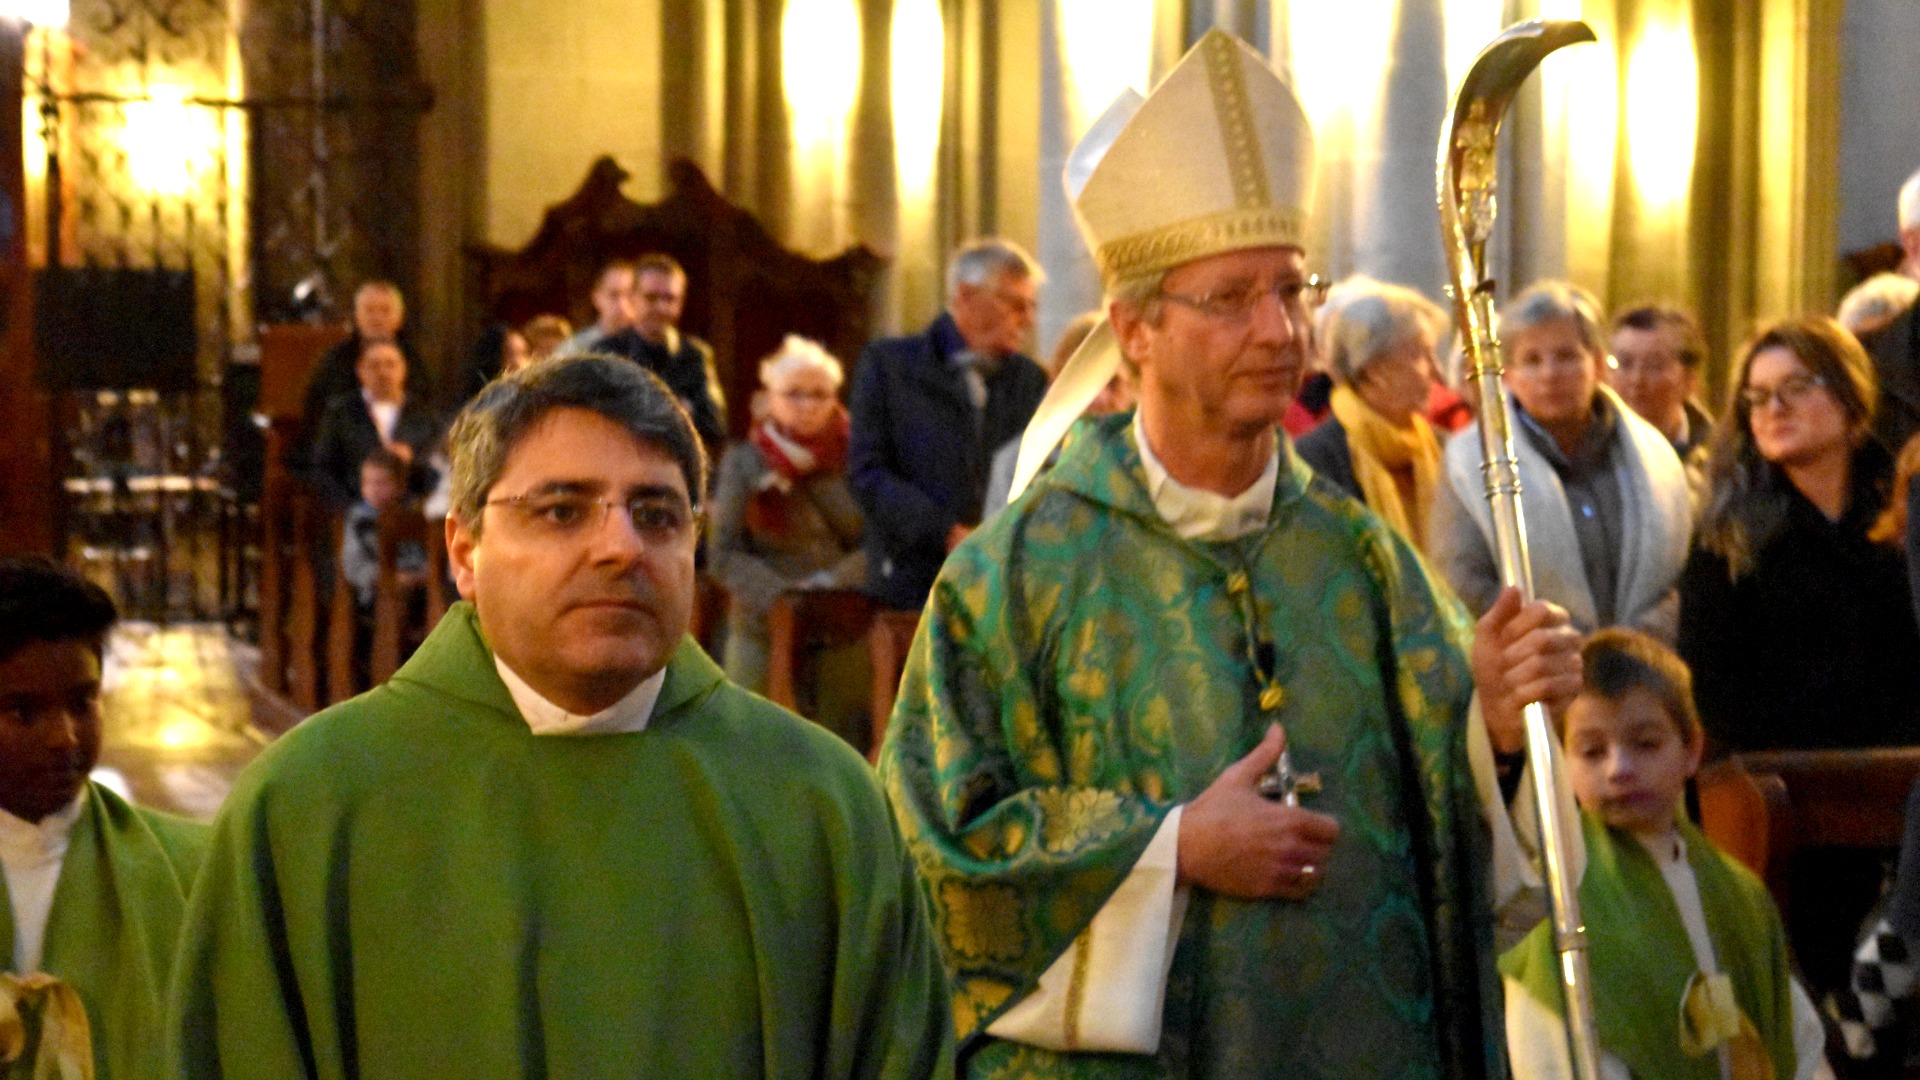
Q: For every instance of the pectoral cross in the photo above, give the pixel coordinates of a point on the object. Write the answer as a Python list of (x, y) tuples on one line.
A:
[(1283, 785)]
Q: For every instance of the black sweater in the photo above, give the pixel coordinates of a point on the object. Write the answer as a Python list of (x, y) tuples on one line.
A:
[(1816, 645)]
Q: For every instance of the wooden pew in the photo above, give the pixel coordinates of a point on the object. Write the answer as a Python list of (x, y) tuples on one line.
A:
[(288, 615), (888, 644), (1764, 806)]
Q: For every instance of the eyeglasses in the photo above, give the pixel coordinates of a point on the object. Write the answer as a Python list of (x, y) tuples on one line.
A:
[(1652, 364), (1235, 302), (1792, 391), (656, 518)]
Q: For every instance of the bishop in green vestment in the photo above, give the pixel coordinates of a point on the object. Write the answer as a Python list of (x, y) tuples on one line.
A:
[(94, 888), (559, 843), (1105, 671)]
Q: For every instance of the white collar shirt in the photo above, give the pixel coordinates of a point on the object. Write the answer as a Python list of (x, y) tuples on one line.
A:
[(629, 714), (32, 854), (1197, 514)]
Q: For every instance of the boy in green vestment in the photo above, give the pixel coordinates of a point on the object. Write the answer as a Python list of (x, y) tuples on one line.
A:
[(95, 887), (1107, 673), (559, 842), (1689, 960)]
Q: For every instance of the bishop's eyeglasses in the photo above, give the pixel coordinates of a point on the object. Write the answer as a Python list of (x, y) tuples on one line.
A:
[(1235, 301)]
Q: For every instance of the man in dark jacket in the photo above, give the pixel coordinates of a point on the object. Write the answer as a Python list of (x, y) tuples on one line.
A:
[(377, 413), (1895, 348), (379, 314), (654, 341), (929, 410)]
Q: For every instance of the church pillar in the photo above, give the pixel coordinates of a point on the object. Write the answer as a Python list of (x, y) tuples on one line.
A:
[(26, 456)]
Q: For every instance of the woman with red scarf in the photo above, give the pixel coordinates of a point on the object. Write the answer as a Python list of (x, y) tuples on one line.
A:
[(783, 517)]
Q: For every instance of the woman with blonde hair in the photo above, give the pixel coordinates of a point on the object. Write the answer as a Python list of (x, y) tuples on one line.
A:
[(1379, 342), (1794, 620), (783, 516)]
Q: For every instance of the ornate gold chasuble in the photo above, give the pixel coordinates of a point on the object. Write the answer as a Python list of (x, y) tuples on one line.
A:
[(1080, 670)]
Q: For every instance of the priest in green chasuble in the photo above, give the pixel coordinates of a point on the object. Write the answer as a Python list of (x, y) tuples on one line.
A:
[(559, 843), (1108, 673), (95, 887)]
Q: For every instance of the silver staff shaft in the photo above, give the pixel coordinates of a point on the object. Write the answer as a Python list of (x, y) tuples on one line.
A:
[(1467, 171)]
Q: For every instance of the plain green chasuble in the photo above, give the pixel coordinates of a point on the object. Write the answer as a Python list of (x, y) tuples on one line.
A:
[(114, 925), (1080, 669), (413, 885)]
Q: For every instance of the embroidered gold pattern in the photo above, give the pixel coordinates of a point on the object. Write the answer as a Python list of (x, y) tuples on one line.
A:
[(1235, 113), (1196, 238), (1076, 992)]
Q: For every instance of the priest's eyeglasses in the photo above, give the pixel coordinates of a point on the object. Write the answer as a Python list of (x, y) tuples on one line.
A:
[(658, 517), (1792, 391), (1235, 302)]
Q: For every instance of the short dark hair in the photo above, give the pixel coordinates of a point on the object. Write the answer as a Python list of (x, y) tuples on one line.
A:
[(42, 601), (382, 458), (486, 431), (1649, 317), (1616, 661), (659, 262)]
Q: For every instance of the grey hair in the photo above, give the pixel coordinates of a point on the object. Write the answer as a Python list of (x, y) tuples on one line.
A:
[(1142, 293), (977, 262), (1871, 303), (1547, 301), (796, 353), (495, 421), (1364, 320)]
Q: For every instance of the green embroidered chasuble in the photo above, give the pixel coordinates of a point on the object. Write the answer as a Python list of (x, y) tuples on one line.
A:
[(413, 885), (113, 927), (1080, 670), (1642, 961)]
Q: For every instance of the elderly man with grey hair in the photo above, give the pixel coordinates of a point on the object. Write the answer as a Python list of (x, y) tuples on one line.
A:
[(1606, 499), (1895, 347), (559, 842), (930, 409), (1379, 340)]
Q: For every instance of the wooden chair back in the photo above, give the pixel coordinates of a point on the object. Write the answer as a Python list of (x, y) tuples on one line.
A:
[(745, 291), (803, 622), (888, 644), (440, 590), (396, 631)]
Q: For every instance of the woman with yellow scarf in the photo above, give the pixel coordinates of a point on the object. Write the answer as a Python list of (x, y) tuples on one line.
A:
[(1379, 341)]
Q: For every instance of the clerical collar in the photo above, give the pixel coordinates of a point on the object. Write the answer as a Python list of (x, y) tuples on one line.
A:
[(629, 714), (1666, 850), (1197, 514), (39, 841)]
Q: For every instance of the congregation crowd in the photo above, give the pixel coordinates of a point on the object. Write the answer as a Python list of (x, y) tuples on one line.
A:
[(563, 842)]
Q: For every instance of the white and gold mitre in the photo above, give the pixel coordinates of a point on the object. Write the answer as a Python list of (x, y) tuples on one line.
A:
[(1218, 158)]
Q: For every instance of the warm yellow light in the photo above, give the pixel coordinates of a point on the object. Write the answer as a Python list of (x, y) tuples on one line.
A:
[(52, 13), (918, 60), (820, 69), (181, 735), (1107, 46), (163, 138), (1325, 42), (1470, 25), (1663, 112)]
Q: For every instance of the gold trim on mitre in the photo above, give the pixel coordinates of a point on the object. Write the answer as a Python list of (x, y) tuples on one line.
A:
[(1186, 241), (1218, 158)]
